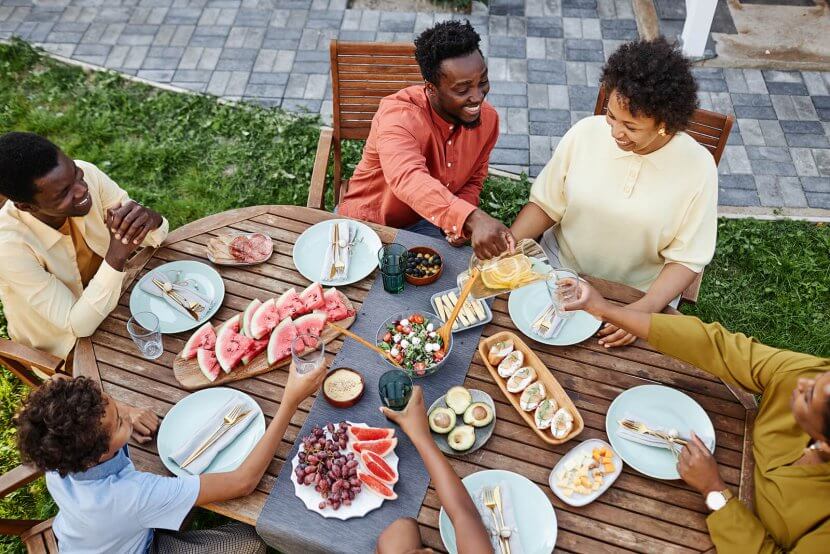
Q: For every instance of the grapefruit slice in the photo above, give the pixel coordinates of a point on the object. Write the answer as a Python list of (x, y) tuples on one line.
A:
[(247, 315), (257, 347), (279, 345), (289, 304), (378, 467), (311, 324), (204, 337), (208, 364), (377, 486), (370, 433), (231, 345), (381, 447), (312, 297), (264, 320)]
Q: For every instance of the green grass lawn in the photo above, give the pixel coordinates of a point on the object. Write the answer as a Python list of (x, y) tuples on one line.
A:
[(189, 156)]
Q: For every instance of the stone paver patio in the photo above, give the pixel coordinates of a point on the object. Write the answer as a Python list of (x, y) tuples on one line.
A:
[(545, 58)]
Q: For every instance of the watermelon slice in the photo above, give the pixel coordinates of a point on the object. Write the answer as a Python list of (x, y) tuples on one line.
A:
[(311, 325), (204, 337), (247, 315), (264, 320), (257, 347), (312, 297), (279, 345), (208, 363), (379, 467), (381, 447), (377, 486), (335, 307), (370, 433), (231, 345), (290, 304)]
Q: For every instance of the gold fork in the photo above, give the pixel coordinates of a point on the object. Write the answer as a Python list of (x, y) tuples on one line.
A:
[(231, 418), (490, 503), (338, 262), (177, 299), (334, 241), (545, 320)]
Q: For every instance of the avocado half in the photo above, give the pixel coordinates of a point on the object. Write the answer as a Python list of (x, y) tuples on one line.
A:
[(462, 437), (441, 420), (459, 399), (478, 414)]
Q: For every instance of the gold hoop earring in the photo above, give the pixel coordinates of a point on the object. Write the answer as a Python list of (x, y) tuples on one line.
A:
[(661, 132)]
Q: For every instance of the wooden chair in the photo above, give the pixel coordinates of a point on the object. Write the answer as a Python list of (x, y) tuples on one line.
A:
[(711, 130), (36, 535), (362, 73)]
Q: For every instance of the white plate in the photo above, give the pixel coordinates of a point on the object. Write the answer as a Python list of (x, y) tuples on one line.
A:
[(526, 303), (364, 503), (310, 252), (582, 499), (185, 418)]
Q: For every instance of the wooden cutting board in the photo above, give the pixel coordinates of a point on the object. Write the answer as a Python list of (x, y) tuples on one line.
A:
[(190, 377)]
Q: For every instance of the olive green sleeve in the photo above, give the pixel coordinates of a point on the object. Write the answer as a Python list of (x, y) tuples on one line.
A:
[(735, 529), (733, 357)]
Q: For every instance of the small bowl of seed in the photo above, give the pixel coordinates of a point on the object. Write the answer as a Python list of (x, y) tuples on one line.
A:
[(423, 266)]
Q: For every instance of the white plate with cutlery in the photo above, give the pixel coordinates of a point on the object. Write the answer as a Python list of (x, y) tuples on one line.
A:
[(201, 278), (532, 512), (310, 250), (525, 304), (187, 417)]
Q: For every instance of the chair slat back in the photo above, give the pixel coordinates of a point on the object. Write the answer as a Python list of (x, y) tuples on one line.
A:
[(710, 129), (21, 359), (362, 73)]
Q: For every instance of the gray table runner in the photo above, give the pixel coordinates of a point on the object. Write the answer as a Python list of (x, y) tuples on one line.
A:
[(285, 523)]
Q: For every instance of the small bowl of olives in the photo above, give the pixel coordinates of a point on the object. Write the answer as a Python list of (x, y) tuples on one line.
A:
[(423, 266)]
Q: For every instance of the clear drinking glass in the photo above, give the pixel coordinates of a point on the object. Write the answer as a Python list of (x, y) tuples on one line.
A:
[(144, 330), (392, 258), (306, 358), (563, 287), (395, 388)]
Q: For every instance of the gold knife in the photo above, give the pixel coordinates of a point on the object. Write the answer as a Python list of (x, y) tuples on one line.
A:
[(216, 436), (500, 513), (335, 239)]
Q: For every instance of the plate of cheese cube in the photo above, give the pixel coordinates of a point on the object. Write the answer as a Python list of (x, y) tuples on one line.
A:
[(473, 313), (585, 472)]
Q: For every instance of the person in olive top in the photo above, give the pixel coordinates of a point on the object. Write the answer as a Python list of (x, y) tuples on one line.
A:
[(67, 232), (791, 436)]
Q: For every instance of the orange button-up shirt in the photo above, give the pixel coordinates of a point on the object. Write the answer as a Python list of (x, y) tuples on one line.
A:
[(416, 165)]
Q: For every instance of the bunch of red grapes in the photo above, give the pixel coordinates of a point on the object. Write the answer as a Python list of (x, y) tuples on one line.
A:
[(323, 463)]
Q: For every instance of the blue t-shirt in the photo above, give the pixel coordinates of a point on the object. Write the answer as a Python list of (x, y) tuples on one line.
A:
[(113, 507)]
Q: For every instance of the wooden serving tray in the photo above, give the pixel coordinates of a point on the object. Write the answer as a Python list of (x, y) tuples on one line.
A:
[(552, 386), (190, 377)]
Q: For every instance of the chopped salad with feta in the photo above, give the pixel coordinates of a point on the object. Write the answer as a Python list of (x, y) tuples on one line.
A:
[(414, 343)]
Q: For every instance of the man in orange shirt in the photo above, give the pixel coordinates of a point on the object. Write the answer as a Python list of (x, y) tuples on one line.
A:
[(426, 157)]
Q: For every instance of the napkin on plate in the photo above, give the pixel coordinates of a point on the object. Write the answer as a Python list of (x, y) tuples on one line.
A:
[(187, 289), (211, 424), (508, 515), (649, 440), (555, 325), (346, 230)]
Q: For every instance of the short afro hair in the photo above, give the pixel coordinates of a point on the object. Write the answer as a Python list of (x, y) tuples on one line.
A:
[(654, 79), (445, 40), (24, 157), (59, 427)]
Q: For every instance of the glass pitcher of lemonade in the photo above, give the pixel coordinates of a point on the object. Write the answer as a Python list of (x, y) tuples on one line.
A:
[(525, 265)]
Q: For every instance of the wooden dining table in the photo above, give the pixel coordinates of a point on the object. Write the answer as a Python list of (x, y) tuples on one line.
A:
[(637, 513)]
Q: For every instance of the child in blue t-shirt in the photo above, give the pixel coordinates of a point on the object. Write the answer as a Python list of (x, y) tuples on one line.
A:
[(78, 435)]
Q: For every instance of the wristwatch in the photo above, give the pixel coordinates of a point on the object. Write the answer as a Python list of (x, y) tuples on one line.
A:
[(716, 500)]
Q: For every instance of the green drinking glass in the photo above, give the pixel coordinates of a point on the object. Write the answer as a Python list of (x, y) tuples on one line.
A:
[(395, 388)]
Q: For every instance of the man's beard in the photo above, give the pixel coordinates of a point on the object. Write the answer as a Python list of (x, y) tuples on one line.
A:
[(471, 124)]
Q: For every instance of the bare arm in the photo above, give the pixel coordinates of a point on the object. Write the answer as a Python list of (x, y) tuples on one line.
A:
[(625, 317), (531, 222), (470, 533), (216, 487)]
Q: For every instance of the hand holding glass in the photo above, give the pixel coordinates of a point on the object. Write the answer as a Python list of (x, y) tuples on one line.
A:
[(395, 388), (306, 359), (563, 287)]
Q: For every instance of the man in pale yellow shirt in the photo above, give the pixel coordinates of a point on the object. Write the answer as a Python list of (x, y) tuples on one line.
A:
[(67, 231)]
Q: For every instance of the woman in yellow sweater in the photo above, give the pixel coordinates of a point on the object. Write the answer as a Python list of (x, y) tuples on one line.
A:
[(628, 196), (791, 437)]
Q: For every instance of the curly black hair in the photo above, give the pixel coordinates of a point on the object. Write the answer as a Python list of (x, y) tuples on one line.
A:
[(59, 426), (654, 78), (445, 40), (24, 157)]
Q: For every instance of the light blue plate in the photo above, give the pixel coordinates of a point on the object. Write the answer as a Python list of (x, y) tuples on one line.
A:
[(525, 305), (532, 511), (310, 252), (185, 418), (172, 320), (663, 406)]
